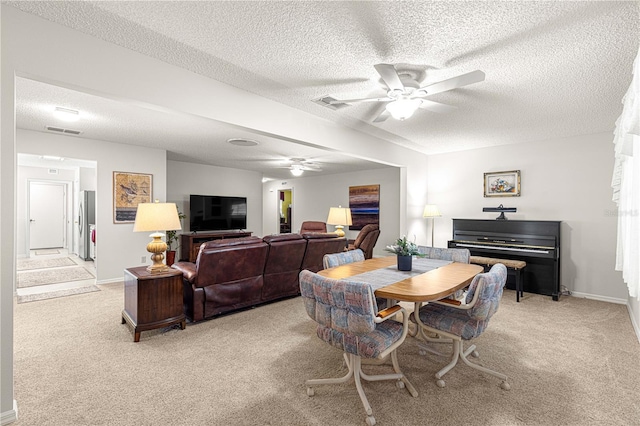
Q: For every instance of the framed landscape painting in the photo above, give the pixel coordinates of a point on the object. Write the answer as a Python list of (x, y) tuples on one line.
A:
[(129, 190), (364, 202), (502, 184)]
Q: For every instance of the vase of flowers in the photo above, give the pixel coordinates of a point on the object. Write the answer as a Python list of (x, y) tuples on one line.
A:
[(404, 250)]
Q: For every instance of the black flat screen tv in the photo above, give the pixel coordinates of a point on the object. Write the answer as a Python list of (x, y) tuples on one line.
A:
[(216, 213)]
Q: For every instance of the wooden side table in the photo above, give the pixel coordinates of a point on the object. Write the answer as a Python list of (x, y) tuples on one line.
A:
[(152, 300)]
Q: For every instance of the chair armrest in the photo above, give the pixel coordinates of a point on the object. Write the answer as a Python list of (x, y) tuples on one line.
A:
[(453, 303), (449, 302), (383, 314), (188, 270)]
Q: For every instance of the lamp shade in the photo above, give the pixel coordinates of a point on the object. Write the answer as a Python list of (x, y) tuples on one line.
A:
[(157, 217), (431, 210), (339, 216)]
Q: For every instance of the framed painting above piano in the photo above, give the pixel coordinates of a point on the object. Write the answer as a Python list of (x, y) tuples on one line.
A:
[(537, 242)]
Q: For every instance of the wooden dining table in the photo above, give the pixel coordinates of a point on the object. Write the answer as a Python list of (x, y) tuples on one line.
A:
[(421, 287)]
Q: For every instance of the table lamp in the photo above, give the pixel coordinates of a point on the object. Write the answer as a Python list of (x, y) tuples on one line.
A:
[(431, 211), (157, 217), (339, 216)]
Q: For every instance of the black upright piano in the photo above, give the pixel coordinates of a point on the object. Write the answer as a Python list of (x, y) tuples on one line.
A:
[(537, 242)]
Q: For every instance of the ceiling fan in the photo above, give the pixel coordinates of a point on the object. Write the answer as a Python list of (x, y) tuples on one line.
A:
[(298, 166), (405, 95)]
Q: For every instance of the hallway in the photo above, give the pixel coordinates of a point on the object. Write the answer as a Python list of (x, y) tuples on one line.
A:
[(57, 289)]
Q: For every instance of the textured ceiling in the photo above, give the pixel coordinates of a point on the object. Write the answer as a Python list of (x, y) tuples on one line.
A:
[(553, 69)]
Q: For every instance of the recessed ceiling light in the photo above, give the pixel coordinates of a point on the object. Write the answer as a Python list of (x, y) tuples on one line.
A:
[(51, 157), (66, 114), (242, 142)]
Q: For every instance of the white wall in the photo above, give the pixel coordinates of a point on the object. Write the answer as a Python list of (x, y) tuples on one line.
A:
[(565, 179), (119, 247), (312, 197), (184, 179)]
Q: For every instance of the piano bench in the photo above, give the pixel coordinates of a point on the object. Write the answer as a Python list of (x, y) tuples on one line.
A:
[(516, 265)]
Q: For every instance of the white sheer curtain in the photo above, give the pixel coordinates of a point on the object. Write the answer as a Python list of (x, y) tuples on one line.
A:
[(626, 184)]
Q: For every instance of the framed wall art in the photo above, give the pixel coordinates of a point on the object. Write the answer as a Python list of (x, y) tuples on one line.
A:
[(502, 184), (129, 190), (364, 202)]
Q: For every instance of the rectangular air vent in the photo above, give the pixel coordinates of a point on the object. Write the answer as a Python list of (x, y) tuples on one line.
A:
[(61, 130), (326, 102)]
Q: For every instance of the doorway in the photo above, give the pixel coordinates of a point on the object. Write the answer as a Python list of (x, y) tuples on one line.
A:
[(47, 213), (285, 210)]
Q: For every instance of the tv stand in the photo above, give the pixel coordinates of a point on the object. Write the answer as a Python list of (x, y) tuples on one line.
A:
[(190, 243)]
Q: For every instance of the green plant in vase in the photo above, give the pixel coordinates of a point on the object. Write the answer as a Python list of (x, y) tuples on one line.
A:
[(405, 250), (172, 238)]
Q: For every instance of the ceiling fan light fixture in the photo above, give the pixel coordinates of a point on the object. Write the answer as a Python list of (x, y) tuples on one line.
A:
[(296, 170), (403, 108)]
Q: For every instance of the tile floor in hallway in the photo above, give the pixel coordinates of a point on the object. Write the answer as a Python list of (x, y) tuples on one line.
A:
[(89, 265)]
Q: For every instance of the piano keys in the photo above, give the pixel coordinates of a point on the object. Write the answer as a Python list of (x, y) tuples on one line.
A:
[(534, 241)]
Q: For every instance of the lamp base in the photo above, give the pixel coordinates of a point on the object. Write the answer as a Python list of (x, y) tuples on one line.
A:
[(339, 232), (157, 247)]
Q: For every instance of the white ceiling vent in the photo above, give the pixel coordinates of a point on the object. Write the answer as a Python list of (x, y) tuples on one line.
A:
[(325, 101), (61, 130)]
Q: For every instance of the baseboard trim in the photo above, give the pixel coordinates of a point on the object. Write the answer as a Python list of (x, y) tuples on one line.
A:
[(634, 323), (11, 416), (112, 280), (600, 298)]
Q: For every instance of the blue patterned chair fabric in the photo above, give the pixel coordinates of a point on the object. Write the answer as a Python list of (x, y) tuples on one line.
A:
[(337, 259), (345, 312), (469, 323), (455, 255)]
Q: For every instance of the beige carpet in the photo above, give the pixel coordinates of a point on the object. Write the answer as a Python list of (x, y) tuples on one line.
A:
[(29, 264), (572, 362), (52, 276)]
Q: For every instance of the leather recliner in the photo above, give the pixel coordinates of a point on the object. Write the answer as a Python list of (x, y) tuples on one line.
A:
[(366, 240), (227, 275), (283, 266), (319, 244), (313, 226)]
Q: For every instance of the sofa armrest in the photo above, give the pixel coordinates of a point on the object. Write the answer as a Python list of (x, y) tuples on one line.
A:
[(188, 270)]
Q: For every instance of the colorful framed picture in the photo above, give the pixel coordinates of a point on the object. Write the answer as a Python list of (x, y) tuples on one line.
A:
[(364, 202), (129, 190), (502, 184)]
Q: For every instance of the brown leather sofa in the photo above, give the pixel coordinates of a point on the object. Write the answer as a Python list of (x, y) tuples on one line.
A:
[(227, 275), (236, 273)]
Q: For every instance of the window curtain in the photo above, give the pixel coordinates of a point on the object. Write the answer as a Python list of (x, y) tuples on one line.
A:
[(626, 184)]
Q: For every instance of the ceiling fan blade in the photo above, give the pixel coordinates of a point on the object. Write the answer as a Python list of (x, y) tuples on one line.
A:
[(389, 76), (453, 83), (382, 116), (437, 107), (353, 101)]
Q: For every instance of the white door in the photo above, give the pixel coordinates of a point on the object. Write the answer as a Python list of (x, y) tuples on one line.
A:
[(46, 215)]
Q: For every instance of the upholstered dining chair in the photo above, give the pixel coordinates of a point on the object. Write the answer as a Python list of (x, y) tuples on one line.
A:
[(366, 240), (348, 319), (337, 259), (453, 321), (313, 226)]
